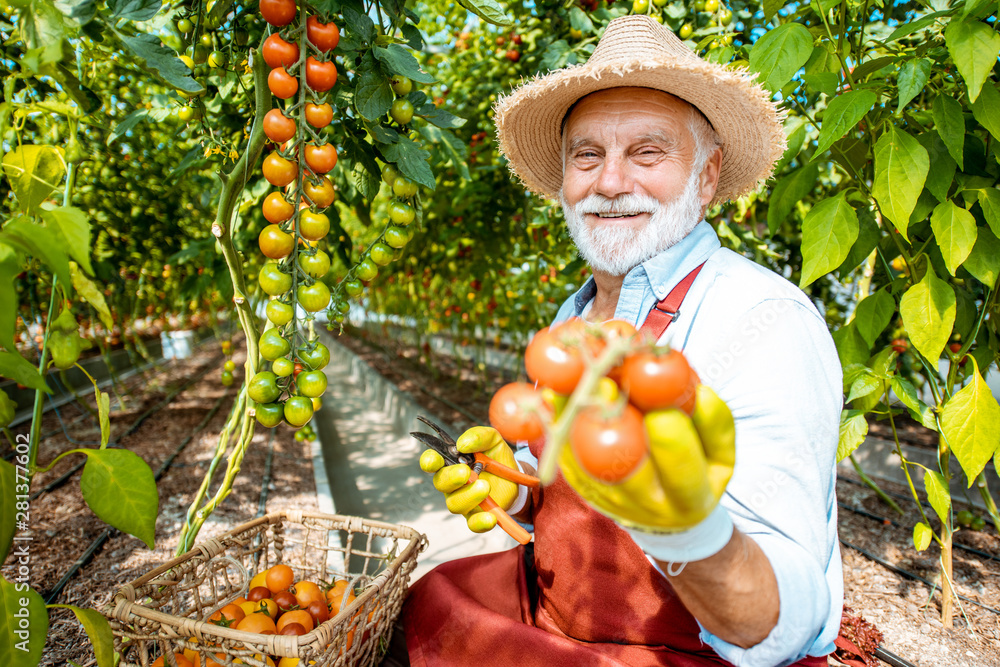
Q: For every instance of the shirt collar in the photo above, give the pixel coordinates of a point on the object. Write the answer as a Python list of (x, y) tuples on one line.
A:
[(665, 270)]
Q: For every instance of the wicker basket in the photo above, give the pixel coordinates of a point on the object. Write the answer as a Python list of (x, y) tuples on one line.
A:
[(165, 611)]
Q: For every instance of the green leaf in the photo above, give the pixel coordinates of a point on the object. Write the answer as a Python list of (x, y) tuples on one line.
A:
[(440, 117), (366, 182), (8, 513), (771, 8), (865, 385), (360, 24), (119, 487), (937, 494), (842, 114), (955, 231), (86, 288), (851, 346), (983, 262), (401, 61), (452, 145), (950, 125), (912, 78), (19, 369), (989, 200), (974, 47), (928, 312), (10, 266), (787, 192), (555, 55), (901, 166), (411, 160), (873, 315), (373, 96), (488, 10), (161, 61), (907, 394), (134, 10), (74, 226), (127, 124), (579, 20), (828, 232), (922, 535), (20, 647), (908, 29), (823, 82), (874, 65), (942, 168), (795, 129), (779, 54), (970, 421), (98, 631), (104, 412), (986, 109), (41, 243), (853, 429), (869, 235), (34, 172)]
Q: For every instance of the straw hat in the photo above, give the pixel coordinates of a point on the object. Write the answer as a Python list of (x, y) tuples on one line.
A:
[(638, 51)]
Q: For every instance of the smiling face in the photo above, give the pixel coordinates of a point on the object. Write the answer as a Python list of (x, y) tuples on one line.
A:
[(634, 182)]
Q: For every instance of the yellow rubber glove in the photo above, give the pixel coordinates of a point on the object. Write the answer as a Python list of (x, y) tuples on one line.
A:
[(460, 496), (681, 481)]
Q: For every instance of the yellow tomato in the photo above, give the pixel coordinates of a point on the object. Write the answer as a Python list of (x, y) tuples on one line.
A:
[(260, 579)]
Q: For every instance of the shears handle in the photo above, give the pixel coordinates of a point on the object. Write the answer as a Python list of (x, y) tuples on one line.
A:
[(504, 472), (504, 520)]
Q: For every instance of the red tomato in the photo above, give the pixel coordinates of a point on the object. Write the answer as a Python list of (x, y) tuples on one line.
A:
[(516, 412), (658, 379), (278, 127), (552, 364), (282, 84), (279, 53), (325, 36), (278, 12), (609, 447), (321, 159), (321, 76)]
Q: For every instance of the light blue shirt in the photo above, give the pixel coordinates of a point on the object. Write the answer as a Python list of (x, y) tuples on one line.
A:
[(762, 346)]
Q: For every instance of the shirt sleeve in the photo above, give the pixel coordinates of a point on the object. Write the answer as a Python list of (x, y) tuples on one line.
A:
[(778, 372), (523, 455)]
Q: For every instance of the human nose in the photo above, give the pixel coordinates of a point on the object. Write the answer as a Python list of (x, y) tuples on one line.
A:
[(614, 178)]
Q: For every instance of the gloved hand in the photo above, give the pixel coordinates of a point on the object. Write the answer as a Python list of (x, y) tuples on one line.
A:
[(453, 480), (669, 504)]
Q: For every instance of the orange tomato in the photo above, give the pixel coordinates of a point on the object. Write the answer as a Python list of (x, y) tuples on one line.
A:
[(335, 596), (282, 84), (277, 209), (321, 192), (228, 616), (306, 592), (278, 171), (319, 115), (300, 616), (278, 127), (321, 159), (179, 657), (279, 578), (262, 624)]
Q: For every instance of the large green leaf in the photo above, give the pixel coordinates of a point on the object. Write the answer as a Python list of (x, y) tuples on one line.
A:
[(134, 10), (989, 200), (901, 166), (779, 54), (907, 394), (941, 173), (950, 125), (922, 535), (10, 266), (828, 232), (401, 61), (869, 235), (970, 421), (373, 96), (928, 312), (161, 61), (771, 8), (19, 369), (86, 288), (955, 231), (411, 160), (913, 75), (74, 226), (41, 243), (120, 489), (34, 173), (787, 192), (8, 512), (984, 260), (98, 632), (974, 47), (938, 494), (841, 115), (986, 109), (23, 627), (851, 345), (873, 315), (488, 10), (853, 429)]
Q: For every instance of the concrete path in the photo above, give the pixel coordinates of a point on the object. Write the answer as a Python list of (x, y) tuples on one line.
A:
[(371, 461)]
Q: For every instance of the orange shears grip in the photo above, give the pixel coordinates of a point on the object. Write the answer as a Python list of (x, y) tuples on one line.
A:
[(510, 474), (504, 520)]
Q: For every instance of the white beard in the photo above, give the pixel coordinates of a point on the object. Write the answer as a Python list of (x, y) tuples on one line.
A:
[(616, 248)]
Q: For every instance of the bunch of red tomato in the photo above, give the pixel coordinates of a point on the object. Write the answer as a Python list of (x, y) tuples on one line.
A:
[(297, 224), (608, 435)]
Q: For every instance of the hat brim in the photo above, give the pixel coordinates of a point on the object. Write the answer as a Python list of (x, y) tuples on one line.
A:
[(529, 120)]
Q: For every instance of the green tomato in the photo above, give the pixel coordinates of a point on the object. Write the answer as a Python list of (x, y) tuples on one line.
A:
[(272, 346), (241, 37), (200, 54), (227, 378), (354, 288), (230, 365), (300, 435), (311, 383), (184, 26), (725, 17), (317, 358), (389, 174), (273, 281), (396, 237), (381, 254), (711, 6), (217, 59), (317, 404), (184, 114), (401, 85), (343, 307), (366, 270), (8, 409), (279, 312), (316, 266), (404, 187), (660, 3), (282, 367), (401, 213), (206, 39), (270, 414), (686, 31), (964, 517), (263, 388), (313, 297), (640, 6), (298, 410), (401, 111), (977, 523)]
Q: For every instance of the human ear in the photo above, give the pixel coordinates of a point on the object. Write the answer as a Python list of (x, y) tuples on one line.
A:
[(709, 178)]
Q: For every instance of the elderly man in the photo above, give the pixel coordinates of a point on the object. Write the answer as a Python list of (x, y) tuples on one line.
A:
[(637, 143)]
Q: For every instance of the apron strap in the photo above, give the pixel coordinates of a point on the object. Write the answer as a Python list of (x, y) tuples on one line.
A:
[(669, 308)]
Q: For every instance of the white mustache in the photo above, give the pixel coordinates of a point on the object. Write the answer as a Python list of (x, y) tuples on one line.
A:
[(626, 204)]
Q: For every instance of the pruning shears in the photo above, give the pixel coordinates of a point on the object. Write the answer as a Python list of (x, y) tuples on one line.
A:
[(479, 463)]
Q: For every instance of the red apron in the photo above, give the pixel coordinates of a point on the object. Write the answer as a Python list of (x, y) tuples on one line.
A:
[(587, 597)]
